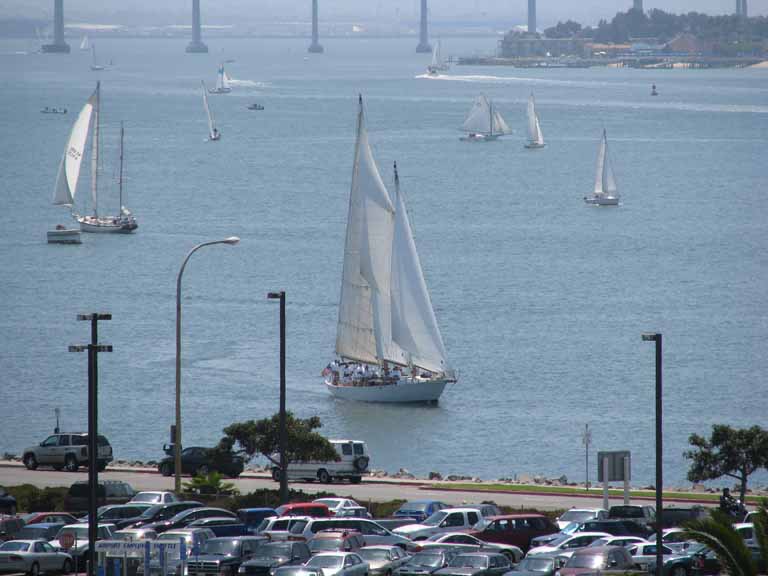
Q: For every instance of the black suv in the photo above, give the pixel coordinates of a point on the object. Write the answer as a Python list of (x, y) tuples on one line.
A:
[(223, 556), (275, 554), (107, 492), (161, 512), (67, 450), (200, 461)]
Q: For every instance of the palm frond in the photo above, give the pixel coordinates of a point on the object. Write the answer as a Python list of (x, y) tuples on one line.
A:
[(761, 529), (727, 544)]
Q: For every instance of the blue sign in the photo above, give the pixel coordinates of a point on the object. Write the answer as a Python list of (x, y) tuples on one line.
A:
[(147, 556), (183, 549), (118, 567)]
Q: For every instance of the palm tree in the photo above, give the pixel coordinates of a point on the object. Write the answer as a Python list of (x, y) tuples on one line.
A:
[(212, 483)]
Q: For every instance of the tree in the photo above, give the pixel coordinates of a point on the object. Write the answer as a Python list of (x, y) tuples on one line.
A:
[(732, 452), (263, 437), (213, 484)]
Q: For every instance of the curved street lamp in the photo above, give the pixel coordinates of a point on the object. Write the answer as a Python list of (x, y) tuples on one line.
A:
[(232, 240)]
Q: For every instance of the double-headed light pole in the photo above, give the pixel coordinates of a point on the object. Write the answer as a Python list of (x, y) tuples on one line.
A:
[(656, 337), (232, 240)]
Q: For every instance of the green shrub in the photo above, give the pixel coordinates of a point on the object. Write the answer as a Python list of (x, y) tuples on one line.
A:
[(32, 499)]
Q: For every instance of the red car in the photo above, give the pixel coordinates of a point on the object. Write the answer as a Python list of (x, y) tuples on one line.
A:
[(516, 529), (314, 509), (49, 518)]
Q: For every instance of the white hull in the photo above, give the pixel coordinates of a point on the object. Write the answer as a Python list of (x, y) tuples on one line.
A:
[(64, 236), (106, 225), (534, 146), (480, 138), (602, 200), (400, 392), (220, 91)]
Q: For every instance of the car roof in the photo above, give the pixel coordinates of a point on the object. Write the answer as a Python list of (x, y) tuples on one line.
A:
[(340, 533), (483, 554), (593, 550), (379, 547), (513, 516), (85, 525), (44, 524), (598, 534), (28, 541), (343, 554), (462, 509), (255, 509)]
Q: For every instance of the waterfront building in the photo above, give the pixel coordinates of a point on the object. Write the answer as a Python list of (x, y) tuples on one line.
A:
[(516, 45)]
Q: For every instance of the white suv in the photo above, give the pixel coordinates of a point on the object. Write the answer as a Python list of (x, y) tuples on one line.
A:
[(445, 520), (352, 464), (67, 450)]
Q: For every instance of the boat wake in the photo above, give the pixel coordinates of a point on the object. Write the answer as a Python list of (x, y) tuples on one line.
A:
[(247, 83)]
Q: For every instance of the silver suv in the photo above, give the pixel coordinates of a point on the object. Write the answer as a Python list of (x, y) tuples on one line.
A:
[(66, 450)]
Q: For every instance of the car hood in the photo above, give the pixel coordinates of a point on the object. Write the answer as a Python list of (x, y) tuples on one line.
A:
[(411, 529), (213, 558), (529, 573), (266, 562), (460, 571)]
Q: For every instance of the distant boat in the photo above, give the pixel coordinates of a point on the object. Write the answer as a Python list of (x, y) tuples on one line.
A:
[(605, 192), (63, 235), (54, 110), (535, 137), (484, 123), (88, 121), (213, 132), (222, 82), (654, 92), (85, 44), (255, 106), (438, 64), (95, 66), (387, 338)]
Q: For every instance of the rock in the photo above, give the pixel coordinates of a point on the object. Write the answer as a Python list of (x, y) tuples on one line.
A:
[(524, 479), (477, 480), (403, 474), (9, 456), (378, 473), (458, 478), (539, 479), (435, 476), (152, 463), (506, 480)]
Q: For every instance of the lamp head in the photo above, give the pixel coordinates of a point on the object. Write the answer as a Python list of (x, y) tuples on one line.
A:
[(651, 337), (232, 240), (275, 295)]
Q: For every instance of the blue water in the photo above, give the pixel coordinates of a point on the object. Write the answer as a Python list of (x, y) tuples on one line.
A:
[(541, 299)]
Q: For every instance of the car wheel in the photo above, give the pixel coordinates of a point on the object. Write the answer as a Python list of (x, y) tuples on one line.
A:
[(510, 556), (355, 479), (323, 476), (70, 463), (203, 470), (276, 474), (165, 469), (101, 466), (67, 568), (30, 461), (679, 571), (34, 570)]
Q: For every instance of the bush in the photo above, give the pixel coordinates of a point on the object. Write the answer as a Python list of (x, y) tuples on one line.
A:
[(32, 499)]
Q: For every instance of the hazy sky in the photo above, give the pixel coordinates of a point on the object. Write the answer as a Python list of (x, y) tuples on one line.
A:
[(230, 11)]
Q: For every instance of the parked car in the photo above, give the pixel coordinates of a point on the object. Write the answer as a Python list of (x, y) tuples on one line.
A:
[(747, 531), (487, 509), (79, 532), (7, 502), (580, 515), (184, 518), (279, 527), (446, 520), (135, 534), (10, 526), (615, 527), (419, 510), (49, 517), (643, 515), (199, 461), (154, 497), (336, 541), (222, 526), (464, 543), (223, 556), (678, 565), (43, 531), (541, 565), (674, 516), (160, 512), (623, 541), (314, 509), (108, 492), (644, 553), (596, 559), (66, 450), (674, 538), (355, 512), (338, 564), (121, 515), (426, 562), (252, 517), (352, 463), (383, 560), (32, 557), (373, 533), (565, 544), (194, 539), (268, 557), (515, 529), (476, 564)]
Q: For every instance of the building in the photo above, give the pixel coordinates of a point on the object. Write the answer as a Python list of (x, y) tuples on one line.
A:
[(517, 45), (741, 8)]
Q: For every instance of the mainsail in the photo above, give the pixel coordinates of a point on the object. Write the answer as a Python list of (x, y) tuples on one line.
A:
[(484, 119), (605, 182), (222, 82), (534, 128), (69, 169), (84, 44), (211, 124)]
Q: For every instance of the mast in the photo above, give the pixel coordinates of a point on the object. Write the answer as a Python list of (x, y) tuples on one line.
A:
[(120, 181), (490, 108), (95, 150)]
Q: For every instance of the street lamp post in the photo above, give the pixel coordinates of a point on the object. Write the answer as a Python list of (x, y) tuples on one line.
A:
[(282, 424), (656, 337), (177, 440)]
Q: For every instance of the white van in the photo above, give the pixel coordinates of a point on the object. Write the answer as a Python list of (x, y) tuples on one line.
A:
[(352, 464)]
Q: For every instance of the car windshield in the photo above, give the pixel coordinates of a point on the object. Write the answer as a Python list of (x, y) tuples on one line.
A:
[(414, 507), (151, 511), (330, 502), (466, 561), (423, 559), (558, 540), (14, 547), (374, 555), (626, 512), (175, 536), (273, 551), (120, 535), (222, 547), (435, 519), (324, 562), (534, 564), (146, 497), (596, 561), (577, 516), (571, 528)]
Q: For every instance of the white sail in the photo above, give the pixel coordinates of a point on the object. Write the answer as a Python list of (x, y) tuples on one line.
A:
[(437, 61), (500, 126), (211, 123), (84, 43), (364, 326), (605, 182), (95, 150), (69, 169), (414, 326), (535, 137), (478, 120), (222, 83)]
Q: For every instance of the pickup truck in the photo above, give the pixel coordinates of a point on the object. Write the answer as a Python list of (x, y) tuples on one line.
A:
[(223, 556), (446, 520)]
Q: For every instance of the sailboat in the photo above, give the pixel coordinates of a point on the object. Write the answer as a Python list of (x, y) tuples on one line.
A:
[(213, 132), (535, 137), (222, 82), (85, 44), (484, 123), (69, 172), (94, 63), (438, 64), (388, 343), (605, 193)]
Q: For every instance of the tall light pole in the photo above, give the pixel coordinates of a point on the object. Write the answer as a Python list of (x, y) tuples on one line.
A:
[(177, 440), (586, 439), (282, 424), (656, 337)]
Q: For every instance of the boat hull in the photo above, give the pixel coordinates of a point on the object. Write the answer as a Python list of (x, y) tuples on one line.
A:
[(107, 225), (480, 138), (71, 236), (534, 146), (404, 391), (220, 91), (602, 200)]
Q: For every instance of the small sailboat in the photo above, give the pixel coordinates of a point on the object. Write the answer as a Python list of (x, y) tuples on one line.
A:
[(605, 193), (535, 137), (222, 82), (213, 132), (654, 92), (388, 342), (88, 122), (484, 123), (85, 44), (438, 64), (95, 66), (255, 106)]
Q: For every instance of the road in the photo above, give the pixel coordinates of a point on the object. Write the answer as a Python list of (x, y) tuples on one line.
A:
[(379, 490)]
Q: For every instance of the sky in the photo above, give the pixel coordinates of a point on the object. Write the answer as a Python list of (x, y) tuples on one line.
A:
[(163, 12)]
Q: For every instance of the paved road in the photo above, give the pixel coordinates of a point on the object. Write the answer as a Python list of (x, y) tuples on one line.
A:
[(367, 491)]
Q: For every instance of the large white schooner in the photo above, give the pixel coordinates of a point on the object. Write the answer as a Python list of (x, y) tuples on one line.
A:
[(388, 342), (606, 192), (484, 123)]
